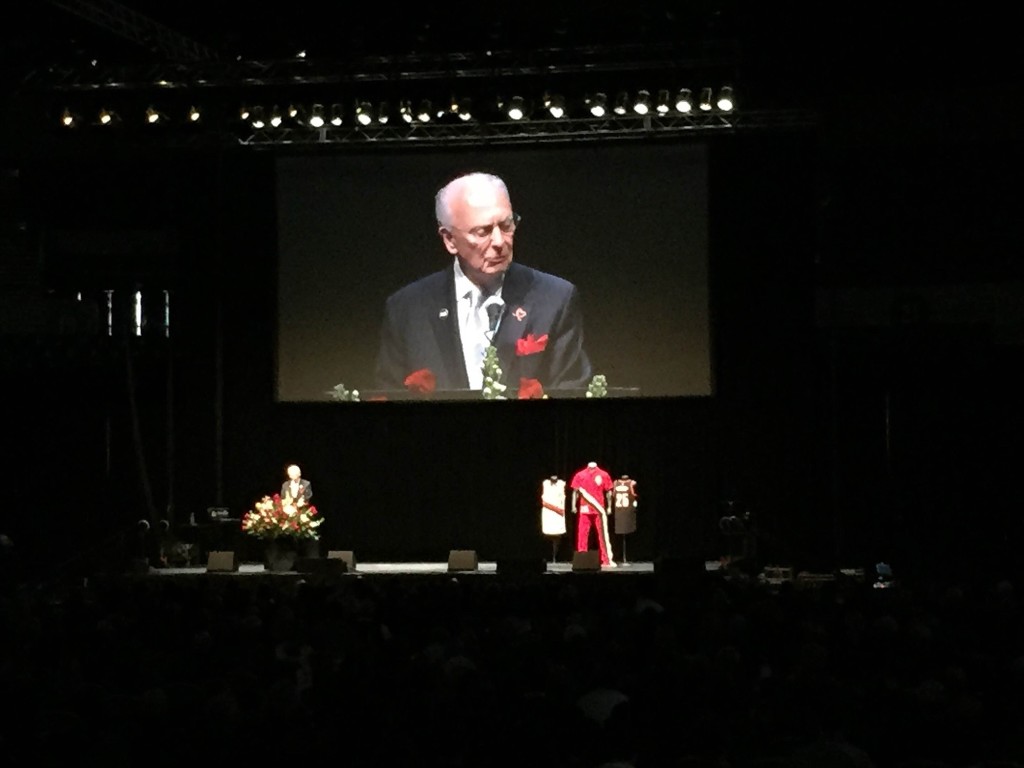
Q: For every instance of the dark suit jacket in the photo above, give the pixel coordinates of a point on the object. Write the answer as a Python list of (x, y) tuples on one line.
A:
[(421, 330), (306, 491)]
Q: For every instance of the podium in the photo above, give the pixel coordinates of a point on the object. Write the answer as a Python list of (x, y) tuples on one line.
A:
[(368, 395)]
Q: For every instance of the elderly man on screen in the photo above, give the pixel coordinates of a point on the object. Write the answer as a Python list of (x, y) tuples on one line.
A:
[(441, 325)]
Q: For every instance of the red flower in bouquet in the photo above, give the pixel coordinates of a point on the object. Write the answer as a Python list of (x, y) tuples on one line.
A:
[(274, 516), (530, 389), (531, 345), (422, 381)]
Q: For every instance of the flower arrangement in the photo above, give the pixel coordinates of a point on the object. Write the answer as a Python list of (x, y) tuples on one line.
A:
[(274, 517), (493, 388), (342, 394)]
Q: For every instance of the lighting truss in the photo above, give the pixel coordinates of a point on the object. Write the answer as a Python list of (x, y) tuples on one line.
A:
[(536, 130), (209, 71), (414, 85)]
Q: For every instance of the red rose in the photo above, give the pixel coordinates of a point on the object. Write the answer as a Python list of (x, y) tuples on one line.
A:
[(530, 389), (422, 380), (531, 345)]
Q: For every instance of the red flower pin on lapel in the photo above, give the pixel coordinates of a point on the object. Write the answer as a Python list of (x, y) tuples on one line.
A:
[(531, 345)]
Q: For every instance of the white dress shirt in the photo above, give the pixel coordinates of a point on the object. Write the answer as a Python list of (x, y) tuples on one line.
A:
[(474, 326)]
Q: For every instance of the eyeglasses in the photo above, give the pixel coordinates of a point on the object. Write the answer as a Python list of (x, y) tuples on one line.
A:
[(507, 227)]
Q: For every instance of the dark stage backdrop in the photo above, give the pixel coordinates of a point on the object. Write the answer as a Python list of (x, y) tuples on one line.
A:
[(794, 427), (713, 238), (627, 223)]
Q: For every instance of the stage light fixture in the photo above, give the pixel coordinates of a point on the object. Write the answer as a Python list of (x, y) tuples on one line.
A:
[(642, 103), (516, 109), (244, 113), (555, 105), (293, 111), (705, 100), (275, 117), (684, 101), (466, 109), (68, 119), (621, 103), (257, 118), (405, 110), (107, 117), (336, 115), (316, 116), (364, 113), (663, 106), (424, 112), (598, 104), (153, 115), (383, 113), (194, 114), (725, 102)]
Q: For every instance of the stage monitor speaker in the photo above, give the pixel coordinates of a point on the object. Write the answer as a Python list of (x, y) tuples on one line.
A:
[(343, 554), (462, 560), (222, 561), (586, 561), (521, 566)]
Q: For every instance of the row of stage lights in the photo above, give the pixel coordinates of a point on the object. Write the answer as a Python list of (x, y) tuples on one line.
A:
[(552, 106)]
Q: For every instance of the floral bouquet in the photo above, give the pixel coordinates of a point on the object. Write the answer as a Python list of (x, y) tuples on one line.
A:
[(274, 517), (493, 388)]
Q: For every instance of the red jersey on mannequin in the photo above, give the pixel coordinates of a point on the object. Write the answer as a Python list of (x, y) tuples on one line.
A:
[(590, 488)]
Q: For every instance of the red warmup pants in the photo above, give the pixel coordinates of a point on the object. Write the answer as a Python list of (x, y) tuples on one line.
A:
[(584, 521)]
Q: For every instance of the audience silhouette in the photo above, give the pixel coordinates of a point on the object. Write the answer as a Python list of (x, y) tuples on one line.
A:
[(484, 670)]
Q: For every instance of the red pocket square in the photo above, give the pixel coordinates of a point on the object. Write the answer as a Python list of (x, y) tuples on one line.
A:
[(531, 345)]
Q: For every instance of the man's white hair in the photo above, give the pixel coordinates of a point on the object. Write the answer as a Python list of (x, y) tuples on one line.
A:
[(443, 199)]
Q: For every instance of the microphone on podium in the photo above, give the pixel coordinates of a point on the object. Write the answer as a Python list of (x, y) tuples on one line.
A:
[(494, 313)]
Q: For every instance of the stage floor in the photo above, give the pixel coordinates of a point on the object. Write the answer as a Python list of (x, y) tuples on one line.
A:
[(483, 568)]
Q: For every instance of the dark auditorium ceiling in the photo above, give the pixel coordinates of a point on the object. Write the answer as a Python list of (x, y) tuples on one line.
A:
[(894, 77)]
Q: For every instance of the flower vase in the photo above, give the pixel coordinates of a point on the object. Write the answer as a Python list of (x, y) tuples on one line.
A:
[(279, 555)]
